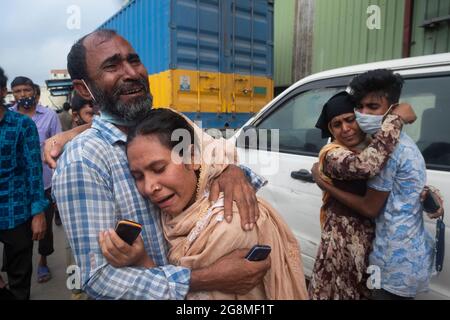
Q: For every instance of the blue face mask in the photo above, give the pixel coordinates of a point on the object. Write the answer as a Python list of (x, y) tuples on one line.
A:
[(111, 118), (370, 123), (27, 103)]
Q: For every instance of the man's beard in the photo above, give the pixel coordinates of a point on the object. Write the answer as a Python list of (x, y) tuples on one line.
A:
[(132, 111)]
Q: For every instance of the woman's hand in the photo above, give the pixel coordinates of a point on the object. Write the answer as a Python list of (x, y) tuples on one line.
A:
[(54, 146), (120, 254), (235, 187), (406, 112), (315, 172)]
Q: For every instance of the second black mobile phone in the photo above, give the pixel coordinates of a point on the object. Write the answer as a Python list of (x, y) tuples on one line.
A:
[(258, 253)]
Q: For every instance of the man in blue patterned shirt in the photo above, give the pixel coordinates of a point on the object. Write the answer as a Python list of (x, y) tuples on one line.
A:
[(402, 249), (94, 188), (22, 200), (27, 96)]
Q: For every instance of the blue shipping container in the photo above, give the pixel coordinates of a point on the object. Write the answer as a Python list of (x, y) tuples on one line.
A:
[(249, 37), (226, 36)]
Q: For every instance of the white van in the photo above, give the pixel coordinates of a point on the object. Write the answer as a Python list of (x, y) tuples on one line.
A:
[(295, 112)]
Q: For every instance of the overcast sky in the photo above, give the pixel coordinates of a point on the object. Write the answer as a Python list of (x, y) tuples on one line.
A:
[(35, 36)]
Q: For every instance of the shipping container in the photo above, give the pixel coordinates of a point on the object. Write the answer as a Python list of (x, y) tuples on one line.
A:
[(284, 24), (346, 32), (208, 58), (220, 100), (248, 37), (431, 27)]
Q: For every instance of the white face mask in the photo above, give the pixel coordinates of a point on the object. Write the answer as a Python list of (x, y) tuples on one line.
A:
[(370, 123)]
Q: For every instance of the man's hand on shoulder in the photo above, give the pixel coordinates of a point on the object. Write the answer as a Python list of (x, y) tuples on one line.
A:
[(236, 188)]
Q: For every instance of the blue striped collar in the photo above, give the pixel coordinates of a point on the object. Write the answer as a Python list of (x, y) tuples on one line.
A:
[(110, 132)]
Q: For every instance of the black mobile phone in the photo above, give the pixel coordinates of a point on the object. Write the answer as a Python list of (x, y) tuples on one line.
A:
[(431, 203), (258, 253), (128, 230)]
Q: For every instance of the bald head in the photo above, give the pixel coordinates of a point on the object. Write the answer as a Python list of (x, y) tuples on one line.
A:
[(76, 59)]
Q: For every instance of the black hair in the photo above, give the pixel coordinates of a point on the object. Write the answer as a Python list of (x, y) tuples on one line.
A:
[(76, 59), (162, 123), (78, 103), (19, 81), (3, 79), (66, 106), (381, 81), (337, 105), (3, 83), (37, 89)]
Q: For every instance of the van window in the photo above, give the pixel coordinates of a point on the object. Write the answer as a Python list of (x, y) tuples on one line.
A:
[(296, 119), (430, 98)]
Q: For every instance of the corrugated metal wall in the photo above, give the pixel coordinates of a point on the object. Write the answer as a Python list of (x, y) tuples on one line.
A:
[(137, 22), (284, 42), (430, 40), (249, 28), (196, 35), (342, 38), (231, 36)]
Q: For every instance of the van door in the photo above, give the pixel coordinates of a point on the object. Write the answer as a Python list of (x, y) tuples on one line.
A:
[(291, 123), (429, 95)]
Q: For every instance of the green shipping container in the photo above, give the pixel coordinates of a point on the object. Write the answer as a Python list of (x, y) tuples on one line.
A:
[(433, 37), (342, 36), (315, 35), (284, 15)]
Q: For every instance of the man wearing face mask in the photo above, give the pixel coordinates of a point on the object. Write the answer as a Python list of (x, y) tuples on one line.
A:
[(402, 249), (82, 111), (47, 122)]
